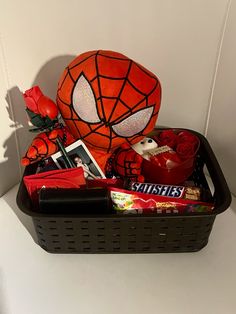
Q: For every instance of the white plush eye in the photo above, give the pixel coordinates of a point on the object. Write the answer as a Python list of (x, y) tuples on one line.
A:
[(133, 124), (84, 101)]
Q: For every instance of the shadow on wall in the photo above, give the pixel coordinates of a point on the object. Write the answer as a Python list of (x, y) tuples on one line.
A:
[(9, 168), (47, 78)]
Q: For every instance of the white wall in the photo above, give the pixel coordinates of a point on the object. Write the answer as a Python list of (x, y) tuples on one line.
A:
[(178, 40), (221, 127), (9, 165)]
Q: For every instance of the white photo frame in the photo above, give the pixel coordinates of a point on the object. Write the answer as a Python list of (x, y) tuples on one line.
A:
[(81, 157)]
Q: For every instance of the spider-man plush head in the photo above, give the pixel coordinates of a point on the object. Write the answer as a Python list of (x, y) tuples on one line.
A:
[(107, 99)]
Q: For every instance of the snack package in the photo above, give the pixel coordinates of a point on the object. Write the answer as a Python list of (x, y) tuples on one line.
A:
[(130, 202), (185, 192)]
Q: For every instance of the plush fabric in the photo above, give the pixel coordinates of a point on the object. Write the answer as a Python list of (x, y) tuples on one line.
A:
[(107, 99)]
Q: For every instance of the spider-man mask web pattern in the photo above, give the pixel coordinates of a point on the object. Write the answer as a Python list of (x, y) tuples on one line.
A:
[(107, 99)]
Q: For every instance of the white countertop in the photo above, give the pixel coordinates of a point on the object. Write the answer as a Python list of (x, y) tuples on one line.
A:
[(33, 281)]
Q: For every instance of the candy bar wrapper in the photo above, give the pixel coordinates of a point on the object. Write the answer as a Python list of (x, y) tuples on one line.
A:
[(130, 202), (185, 192), (188, 191)]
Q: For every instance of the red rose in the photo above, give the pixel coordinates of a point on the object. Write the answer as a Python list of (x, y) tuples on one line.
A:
[(31, 97), (47, 108), (168, 137), (186, 150), (40, 104), (187, 137)]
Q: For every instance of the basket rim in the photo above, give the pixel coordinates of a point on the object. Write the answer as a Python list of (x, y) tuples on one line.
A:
[(223, 199)]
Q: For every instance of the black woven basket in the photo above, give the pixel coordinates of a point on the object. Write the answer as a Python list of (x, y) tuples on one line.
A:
[(70, 233)]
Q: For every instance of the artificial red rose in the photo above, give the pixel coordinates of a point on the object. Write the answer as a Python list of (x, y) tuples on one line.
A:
[(187, 137), (31, 97), (47, 108), (40, 104), (186, 150), (168, 137)]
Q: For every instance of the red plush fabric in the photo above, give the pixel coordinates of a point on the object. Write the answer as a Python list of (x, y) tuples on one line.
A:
[(107, 99)]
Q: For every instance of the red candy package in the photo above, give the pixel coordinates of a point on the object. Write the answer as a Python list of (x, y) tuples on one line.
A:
[(64, 178), (165, 157), (130, 202)]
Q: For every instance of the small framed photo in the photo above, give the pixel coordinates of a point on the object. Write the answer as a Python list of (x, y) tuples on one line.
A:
[(80, 157)]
